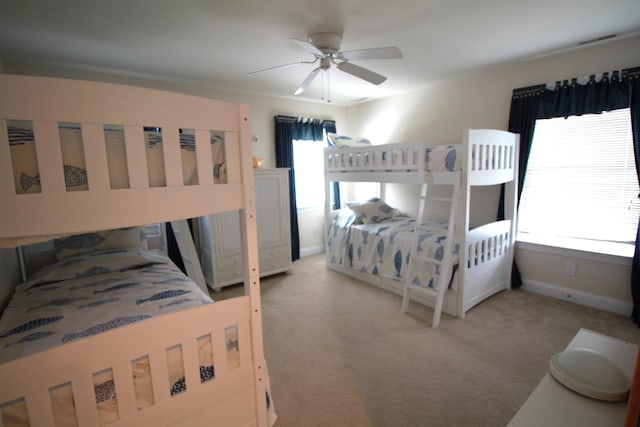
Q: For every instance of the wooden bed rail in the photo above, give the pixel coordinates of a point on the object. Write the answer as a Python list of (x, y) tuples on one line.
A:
[(30, 380), (403, 157), (487, 242), (490, 159), (46, 103)]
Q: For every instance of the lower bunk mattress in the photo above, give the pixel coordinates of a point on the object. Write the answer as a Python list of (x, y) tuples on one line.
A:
[(90, 293), (383, 249)]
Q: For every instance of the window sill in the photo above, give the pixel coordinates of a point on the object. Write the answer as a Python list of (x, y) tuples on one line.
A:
[(311, 209), (614, 253)]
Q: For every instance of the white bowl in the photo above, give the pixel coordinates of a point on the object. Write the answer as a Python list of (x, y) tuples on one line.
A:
[(590, 374)]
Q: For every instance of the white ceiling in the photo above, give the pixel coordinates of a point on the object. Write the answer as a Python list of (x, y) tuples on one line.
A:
[(218, 42)]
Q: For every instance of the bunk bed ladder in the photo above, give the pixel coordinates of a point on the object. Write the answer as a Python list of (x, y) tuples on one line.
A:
[(188, 252), (445, 264)]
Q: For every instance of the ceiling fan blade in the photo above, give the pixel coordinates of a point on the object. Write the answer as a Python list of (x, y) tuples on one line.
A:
[(373, 53), (362, 73), (305, 84), (278, 67), (308, 47)]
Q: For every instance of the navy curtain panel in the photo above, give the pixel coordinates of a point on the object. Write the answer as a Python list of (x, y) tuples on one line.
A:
[(289, 129), (633, 77), (522, 120), (613, 91)]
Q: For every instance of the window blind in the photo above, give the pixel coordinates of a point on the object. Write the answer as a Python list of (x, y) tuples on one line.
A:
[(581, 180)]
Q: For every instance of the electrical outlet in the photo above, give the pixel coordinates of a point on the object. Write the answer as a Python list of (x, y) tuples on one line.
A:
[(570, 269)]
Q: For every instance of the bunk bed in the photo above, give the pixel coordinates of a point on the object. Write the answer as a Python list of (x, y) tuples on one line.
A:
[(445, 264), (174, 357)]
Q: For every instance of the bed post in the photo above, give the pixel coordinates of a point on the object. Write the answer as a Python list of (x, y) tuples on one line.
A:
[(188, 252), (462, 228), (249, 234), (511, 205), (327, 202)]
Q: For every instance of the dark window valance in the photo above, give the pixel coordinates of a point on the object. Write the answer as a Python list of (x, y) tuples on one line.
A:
[(571, 98), (307, 129)]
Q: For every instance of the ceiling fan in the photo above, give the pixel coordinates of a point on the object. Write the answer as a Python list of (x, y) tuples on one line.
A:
[(325, 47)]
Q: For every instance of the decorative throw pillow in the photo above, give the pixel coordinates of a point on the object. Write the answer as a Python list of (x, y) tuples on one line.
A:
[(372, 211), (346, 141), (122, 238), (344, 218)]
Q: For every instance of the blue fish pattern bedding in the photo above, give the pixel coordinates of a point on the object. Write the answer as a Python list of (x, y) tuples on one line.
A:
[(383, 249), (87, 294), (92, 293)]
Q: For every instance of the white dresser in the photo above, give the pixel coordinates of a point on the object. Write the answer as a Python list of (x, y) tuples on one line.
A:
[(219, 235)]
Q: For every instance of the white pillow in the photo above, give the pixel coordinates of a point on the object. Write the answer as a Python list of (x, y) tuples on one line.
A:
[(346, 141), (373, 211)]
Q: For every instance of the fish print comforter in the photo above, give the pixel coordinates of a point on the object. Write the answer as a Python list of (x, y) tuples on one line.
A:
[(87, 294), (383, 249), (91, 293)]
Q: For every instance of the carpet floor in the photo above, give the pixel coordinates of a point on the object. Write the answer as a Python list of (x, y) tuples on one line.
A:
[(340, 353)]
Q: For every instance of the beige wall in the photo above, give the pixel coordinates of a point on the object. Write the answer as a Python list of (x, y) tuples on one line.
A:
[(439, 113)]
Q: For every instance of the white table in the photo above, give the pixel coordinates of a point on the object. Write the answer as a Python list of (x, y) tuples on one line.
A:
[(552, 404)]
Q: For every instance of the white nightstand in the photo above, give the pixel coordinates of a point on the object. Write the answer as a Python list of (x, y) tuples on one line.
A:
[(552, 404)]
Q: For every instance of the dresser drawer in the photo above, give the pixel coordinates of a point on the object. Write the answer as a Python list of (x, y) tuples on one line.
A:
[(228, 269), (274, 259)]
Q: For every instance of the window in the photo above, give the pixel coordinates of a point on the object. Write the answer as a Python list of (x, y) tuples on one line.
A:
[(308, 163), (581, 186)]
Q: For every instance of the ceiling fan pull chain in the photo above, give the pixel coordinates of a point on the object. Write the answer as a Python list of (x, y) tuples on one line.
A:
[(328, 87)]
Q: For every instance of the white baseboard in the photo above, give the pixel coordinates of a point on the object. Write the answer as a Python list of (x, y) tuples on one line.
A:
[(311, 250), (583, 298)]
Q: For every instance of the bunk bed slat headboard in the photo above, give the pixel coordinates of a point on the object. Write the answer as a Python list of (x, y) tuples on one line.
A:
[(97, 167), (95, 106)]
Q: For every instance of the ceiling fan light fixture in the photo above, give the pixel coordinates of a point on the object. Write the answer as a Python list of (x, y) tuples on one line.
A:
[(327, 43), (325, 47)]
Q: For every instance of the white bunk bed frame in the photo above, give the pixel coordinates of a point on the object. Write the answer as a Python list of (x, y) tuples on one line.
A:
[(235, 397), (485, 252)]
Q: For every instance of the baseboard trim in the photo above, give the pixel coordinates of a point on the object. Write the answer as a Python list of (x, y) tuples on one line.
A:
[(313, 250), (583, 298)]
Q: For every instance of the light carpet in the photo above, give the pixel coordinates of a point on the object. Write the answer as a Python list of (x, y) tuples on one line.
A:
[(340, 353)]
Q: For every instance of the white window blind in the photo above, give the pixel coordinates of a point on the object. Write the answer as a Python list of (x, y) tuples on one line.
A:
[(581, 180)]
